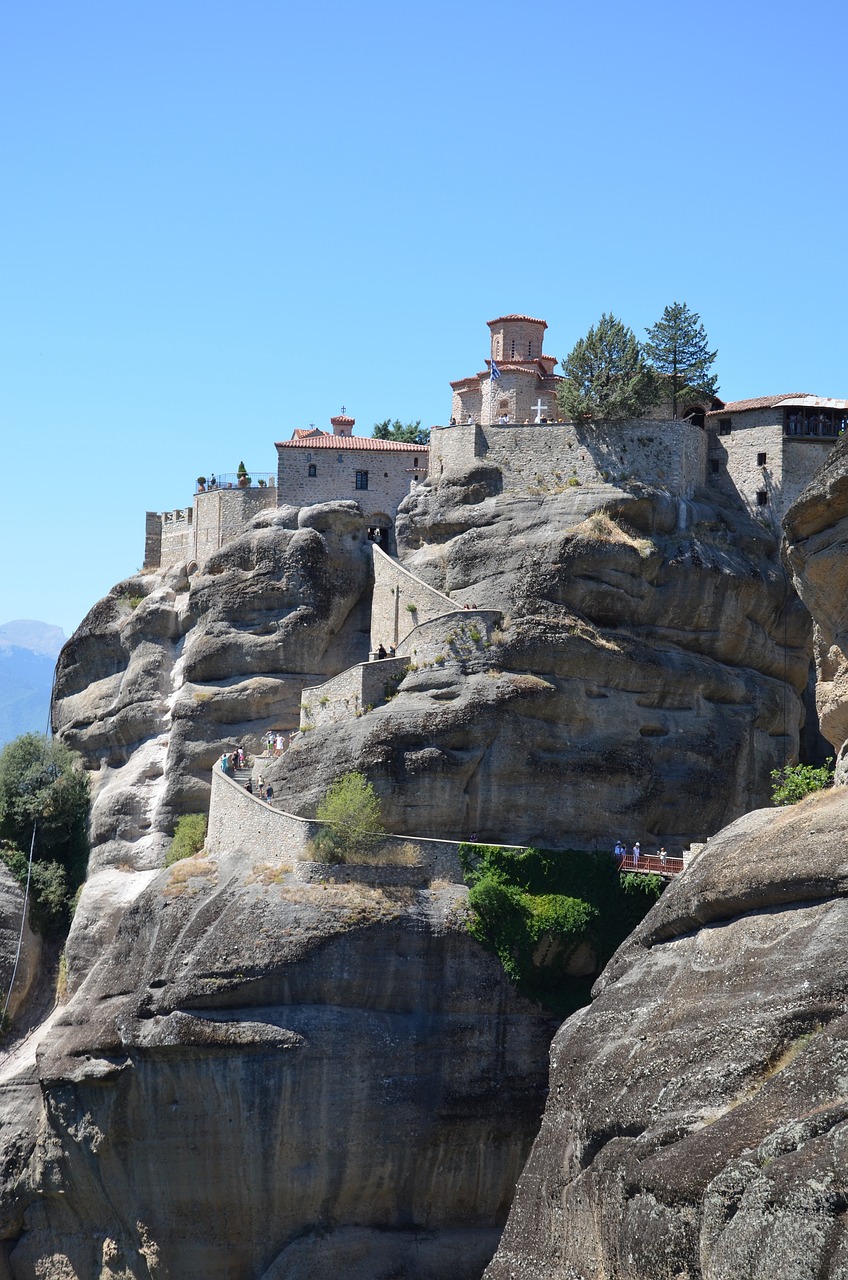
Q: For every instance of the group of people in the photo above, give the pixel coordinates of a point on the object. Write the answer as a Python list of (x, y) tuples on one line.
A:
[(382, 652), (232, 760), (620, 852), (275, 743), (263, 791)]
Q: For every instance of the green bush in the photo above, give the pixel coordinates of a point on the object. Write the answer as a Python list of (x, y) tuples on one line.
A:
[(351, 808), (791, 783), (189, 838), (520, 897)]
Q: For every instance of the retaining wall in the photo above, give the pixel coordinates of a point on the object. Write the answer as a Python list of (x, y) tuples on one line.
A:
[(395, 590), (552, 457), (348, 694), (241, 823)]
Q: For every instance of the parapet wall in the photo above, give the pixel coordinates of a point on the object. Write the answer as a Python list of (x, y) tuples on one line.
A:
[(550, 457), (349, 694), (241, 823), (193, 533), (401, 602)]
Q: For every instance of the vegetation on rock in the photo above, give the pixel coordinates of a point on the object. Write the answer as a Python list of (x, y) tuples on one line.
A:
[(352, 808), (536, 907), (44, 804), (607, 377), (403, 432), (794, 781), (677, 348), (189, 838)]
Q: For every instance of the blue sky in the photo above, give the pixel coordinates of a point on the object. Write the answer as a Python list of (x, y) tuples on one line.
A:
[(220, 222)]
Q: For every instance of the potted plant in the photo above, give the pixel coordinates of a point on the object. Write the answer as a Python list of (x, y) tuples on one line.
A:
[(201, 484), (243, 477)]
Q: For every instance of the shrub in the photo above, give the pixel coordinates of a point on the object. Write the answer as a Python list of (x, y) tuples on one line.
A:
[(351, 808), (413, 608), (791, 783), (520, 897), (189, 838)]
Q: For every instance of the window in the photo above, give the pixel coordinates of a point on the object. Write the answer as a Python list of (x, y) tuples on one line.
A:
[(512, 349), (415, 464), (530, 347), (503, 405), (341, 457), (362, 479), (724, 425), (761, 459), (762, 498), (313, 470), (714, 466)]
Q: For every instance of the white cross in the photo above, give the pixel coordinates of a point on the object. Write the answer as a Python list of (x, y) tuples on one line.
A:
[(539, 407)]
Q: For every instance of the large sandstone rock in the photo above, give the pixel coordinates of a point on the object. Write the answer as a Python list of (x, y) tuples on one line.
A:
[(816, 542), (697, 1124), (20, 947), (640, 644), (266, 1078)]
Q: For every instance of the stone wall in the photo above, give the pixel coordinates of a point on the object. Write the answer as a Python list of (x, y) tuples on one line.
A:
[(456, 634), (401, 601), (550, 457), (517, 339), (240, 822), (789, 466), (175, 537), (224, 514), (390, 476), (350, 693)]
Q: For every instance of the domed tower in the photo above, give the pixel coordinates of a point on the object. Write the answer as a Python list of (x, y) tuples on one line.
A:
[(524, 390), (517, 338)]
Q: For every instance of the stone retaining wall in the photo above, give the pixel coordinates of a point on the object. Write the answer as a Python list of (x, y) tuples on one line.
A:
[(241, 823), (555, 456), (348, 694), (401, 602)]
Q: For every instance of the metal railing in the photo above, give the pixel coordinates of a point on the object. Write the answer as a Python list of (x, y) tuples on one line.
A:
[(652, 862), (232, 480)]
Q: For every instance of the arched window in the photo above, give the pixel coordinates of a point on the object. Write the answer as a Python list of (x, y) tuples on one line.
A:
[(313, 470)]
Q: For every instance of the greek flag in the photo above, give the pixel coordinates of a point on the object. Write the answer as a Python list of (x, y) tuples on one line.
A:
[(496, 373)]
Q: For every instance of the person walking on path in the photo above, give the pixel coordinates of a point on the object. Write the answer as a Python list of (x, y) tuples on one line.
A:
[(269, 794)]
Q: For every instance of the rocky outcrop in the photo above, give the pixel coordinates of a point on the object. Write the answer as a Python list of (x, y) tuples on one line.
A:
[(264, 1077), (643, 638), (697, 1122), (20, 948), (816, 540)]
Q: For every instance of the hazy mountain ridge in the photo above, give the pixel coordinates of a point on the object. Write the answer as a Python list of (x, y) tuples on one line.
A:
[(28, 652)]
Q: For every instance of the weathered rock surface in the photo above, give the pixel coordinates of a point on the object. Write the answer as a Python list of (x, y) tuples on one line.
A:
[(24, 963), (632, 656), (697, 1124), (266, 1078), (816, 533)]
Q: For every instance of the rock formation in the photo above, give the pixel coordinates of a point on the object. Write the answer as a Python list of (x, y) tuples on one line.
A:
[(697, 1123), (269, 1078), (643, 639)]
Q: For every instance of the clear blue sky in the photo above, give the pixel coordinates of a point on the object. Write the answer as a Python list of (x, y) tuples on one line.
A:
[(220, 222)]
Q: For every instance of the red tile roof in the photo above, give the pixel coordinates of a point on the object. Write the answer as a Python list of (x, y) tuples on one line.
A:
[(327, 441), (759, 402), (529, 319)]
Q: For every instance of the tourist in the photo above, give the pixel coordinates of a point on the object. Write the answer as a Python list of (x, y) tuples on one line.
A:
[(663, 855), (269, 793), (248, 786), (213, 483), (637, 850), (241, 757), (381, 652), (224, 763), (280, 744)]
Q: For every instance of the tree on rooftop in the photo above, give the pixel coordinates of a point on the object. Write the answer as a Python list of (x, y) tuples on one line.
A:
[(403, 432), (677, 348), (607, 378)]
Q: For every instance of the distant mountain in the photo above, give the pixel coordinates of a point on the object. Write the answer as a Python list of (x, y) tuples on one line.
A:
[(28, 652)]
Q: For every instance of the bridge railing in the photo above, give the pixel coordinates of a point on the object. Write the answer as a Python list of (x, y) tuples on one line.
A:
[(652, 862)]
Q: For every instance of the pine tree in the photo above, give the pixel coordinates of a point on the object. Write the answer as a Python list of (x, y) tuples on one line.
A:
[(606, 376), (677, 348)]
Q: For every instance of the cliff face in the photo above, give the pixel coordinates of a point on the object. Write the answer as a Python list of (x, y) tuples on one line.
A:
[(264, 1077), (639, 645), (696, 1124)]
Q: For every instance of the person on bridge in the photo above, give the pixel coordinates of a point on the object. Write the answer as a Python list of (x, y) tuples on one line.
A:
[(663, 855), (637, 850)]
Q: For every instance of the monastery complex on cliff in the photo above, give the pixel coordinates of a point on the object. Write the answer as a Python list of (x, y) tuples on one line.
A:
[(763, 451)]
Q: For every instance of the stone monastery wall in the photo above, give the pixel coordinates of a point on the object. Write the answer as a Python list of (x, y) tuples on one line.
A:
[(755, 458), (401, 602), (548, 457), (192, 533), (348, 694), (389, 476)]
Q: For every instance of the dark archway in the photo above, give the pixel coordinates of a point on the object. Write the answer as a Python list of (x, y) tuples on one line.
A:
[(695, 414)]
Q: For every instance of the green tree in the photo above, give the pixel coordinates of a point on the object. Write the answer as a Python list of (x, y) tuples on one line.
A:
[(42, 785), (189, 838), (794, 781), (606, 378), (403, 432), (352, 808), (678, 349)]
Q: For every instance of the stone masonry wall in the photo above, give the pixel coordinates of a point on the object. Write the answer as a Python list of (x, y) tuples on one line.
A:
[(177, 536), (348, 694), (459, 634), (390, 476), (545, 458), (223, 514), (395, 590), (241, 823)]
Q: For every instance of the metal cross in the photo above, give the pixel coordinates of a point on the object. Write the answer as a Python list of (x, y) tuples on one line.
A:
[(539, 407)]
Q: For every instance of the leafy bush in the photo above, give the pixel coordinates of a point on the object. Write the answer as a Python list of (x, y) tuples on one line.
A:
[(522, 897), (43, 785), (189, 838), (794, 781), (351, 807)]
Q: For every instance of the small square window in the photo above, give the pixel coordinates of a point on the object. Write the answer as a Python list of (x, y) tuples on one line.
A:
[(313, 470), (724, 426), (761, 459), (762, 498), (362, 479), (715, 466)]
